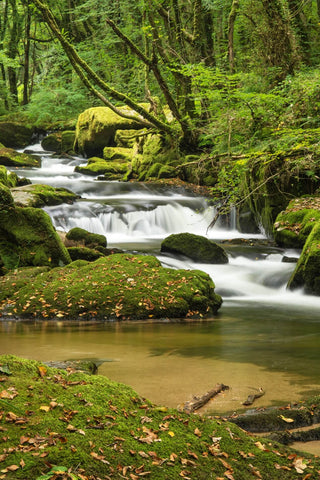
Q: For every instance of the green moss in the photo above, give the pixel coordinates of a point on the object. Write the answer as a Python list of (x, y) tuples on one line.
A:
[(6, 199), (67, 141), (307, 272), (9, 179), (52, 142), (83, 236), (97, 126), (128, 138), (27, 238), (84, 253), (15, 135), (13, 281), (96, 428), (119, 286), (37, 195), (11, 158), (99, 166), (196, 247), (117, 153)]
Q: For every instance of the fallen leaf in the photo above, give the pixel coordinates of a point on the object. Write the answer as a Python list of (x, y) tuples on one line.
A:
[(299, 465), (286, 419), (197, 432), (45, 408), (42, 371)]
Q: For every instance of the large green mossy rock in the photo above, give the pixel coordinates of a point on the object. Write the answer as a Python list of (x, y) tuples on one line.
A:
[(196, 247), (14, 135), (37, 195), (11, 158), (11, 179), (82, 236), (27, 237), (67, 424), (294, 224), (59, 142), (117, 153), (307, 271), (112, 170), (96, 128), (296, 227), (120, 286)]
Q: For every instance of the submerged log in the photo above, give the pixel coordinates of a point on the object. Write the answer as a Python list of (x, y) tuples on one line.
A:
[(197, 403), (253, 397)]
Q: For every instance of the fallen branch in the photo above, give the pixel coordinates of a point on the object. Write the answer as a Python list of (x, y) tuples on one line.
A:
[(253, 397), (197, 403)]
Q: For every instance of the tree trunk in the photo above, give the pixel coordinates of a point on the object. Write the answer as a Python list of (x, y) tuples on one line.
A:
[(25, 99), (231, 22)]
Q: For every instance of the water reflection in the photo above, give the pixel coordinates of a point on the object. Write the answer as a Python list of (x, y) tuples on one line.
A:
[(169, 362)]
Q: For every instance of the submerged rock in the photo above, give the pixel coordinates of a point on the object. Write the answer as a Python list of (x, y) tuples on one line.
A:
[(196, 247), (120, 287)]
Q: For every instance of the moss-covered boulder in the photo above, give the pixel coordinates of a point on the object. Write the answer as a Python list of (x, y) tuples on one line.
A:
[(112, 170), (6, 199), (11, 158), (84, 253), (196, 247), (11, 179), (84, 237), (15, 135), (28, 238), (97, 126), (296, 227), (117, 153), (307, 272), (59, 142), (128, 138), (60, 424), (37, 195), (115, 287)]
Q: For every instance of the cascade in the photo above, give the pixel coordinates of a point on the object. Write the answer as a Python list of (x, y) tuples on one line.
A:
[(138, 216)]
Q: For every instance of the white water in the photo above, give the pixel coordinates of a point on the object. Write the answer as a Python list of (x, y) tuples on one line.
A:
[(139, 216)]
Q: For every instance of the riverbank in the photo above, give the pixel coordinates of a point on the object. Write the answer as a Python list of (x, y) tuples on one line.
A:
[(90, 427)]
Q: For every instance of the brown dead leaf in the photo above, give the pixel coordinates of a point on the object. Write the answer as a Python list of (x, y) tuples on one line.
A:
[(299, 465), (42, 370), (197, 432)]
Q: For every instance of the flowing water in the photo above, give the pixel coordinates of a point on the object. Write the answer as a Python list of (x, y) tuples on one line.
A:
[(264, 336)]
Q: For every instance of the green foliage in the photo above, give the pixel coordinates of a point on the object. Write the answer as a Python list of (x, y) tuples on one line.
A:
[(56, 106)]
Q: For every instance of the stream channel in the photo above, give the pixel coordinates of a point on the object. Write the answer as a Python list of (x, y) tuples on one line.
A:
[(263, 336)]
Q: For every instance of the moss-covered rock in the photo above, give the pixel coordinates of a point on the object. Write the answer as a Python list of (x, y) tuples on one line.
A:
[(11, 158), (293, 225), (117, 153), (68, 424), (307, 272), (84, 253), (15, 135), (59, 142), (196, 247), (28, 238), (296, 227), (112, 170), (6, 199), (37, 195), (11, 179), (97, 126), (128, 138), (52, 142), (116, 287), (86, 238)]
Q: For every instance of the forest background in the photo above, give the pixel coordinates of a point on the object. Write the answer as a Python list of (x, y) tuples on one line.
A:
[(237, 76)]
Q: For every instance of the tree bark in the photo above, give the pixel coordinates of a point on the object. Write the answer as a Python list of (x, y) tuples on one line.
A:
[(231, 23)]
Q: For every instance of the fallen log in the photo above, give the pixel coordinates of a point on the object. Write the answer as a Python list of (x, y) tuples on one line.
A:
[(198, 402), (253, 397)]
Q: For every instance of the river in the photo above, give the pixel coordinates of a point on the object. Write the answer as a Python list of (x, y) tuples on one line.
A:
[(263, 336)]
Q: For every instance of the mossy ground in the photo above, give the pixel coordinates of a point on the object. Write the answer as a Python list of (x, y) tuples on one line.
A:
[(115, 287), (94, 429)]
